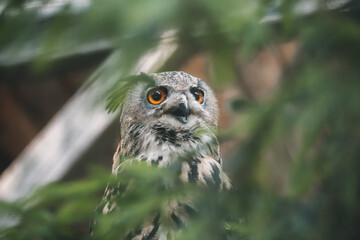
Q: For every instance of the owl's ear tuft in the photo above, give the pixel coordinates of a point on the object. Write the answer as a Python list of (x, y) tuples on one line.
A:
[(118, 92)]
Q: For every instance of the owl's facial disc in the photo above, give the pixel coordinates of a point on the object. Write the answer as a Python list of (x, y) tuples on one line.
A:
[(168, 102), (179, 102)]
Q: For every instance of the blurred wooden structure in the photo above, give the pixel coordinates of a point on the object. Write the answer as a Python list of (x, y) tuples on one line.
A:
[(69, 135)]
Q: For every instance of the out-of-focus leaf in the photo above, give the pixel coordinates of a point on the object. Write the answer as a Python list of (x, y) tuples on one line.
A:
[(119, 92)]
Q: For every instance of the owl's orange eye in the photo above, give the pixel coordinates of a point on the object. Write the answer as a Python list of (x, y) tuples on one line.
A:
[(156, 95), (198, 94)]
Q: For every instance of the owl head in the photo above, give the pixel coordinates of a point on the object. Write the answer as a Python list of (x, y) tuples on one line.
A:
[(175, 99)]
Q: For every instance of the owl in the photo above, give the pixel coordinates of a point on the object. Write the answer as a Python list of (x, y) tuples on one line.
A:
[(176, 115)]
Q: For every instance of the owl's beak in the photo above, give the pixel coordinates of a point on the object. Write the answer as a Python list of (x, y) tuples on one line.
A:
[(181, 112)]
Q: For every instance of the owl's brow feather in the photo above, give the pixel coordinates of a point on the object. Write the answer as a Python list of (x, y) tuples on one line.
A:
[(171, 87)]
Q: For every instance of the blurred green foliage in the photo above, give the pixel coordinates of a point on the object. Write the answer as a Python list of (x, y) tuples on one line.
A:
[(315, 111)]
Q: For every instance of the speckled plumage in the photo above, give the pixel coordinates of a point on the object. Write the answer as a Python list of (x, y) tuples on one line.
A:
[(153, 133)]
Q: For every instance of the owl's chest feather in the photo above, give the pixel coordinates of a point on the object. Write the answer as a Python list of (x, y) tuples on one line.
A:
[(161, 146)]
